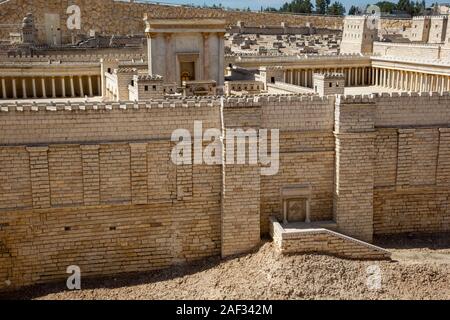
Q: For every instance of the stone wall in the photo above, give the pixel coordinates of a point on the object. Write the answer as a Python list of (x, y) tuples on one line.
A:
[(324, 241), (411, 165), (116, 17), (109, 203), (93, 184), (419, 51)]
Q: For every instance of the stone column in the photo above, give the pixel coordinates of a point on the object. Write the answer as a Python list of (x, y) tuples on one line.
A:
[(33, 84), (442, 89), (220, 36), (291, 74), (44, 91), (72, 87), (206, 75), (376, 76), (99, 86), (63, 87), (90, 86), (170, 64), (305, 74), (4, 88), (80, 81), (53, 87), (24, 88), (14, 88), (350, 71)]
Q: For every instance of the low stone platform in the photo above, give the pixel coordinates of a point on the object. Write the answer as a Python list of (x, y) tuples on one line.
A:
[(319, 237)]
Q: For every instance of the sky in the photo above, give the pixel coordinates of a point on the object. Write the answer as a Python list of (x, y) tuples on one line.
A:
[(256, 5)]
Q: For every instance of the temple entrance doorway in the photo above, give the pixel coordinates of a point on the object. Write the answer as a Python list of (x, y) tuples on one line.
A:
[(187, 71)]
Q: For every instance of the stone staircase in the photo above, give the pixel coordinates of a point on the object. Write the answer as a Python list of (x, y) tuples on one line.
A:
[(313, 238)]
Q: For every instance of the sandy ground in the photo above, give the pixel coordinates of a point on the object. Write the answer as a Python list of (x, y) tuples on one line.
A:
[(420, 270)]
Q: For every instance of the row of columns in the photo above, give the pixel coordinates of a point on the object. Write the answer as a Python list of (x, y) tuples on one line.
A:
[(366, 76), (410, 80), (354, 76), (49, 91)]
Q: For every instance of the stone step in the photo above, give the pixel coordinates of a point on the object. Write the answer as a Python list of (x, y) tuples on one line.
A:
[(291, 240)]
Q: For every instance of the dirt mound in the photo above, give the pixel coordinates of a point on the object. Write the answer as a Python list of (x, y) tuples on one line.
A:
[(265, 274)]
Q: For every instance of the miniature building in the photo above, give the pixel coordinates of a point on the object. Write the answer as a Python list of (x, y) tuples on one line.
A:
[(186, 50), (243, 86), (145, 87), (199, 88), (420, 29), (359, 34), (28, 29), (329, 83), (438, 28)]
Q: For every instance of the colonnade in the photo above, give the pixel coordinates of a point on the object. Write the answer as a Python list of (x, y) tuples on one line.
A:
[(374, 76), (50, 87), (354, 76), (410, 80)]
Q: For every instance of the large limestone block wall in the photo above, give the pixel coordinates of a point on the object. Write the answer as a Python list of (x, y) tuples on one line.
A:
[(420, 51), (395, 149), (411, 177), (306, 153), (107, 202)]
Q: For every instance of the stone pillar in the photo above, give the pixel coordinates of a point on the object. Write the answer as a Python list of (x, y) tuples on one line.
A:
[(169, 76), (80, 82), (363, 76), (139, 174), (63, 87), (33, 84), (376, 76), (355, 157), (14, 88), (91, 174), (72, 87), (350, 71), (90, 86), (24, 88), (99, 86), (421, 82), (305, 73), (401, 80), (44, 91), (206, 75), (221, 56), (53, 87), (291, 76), (40, 183), (4, 88)]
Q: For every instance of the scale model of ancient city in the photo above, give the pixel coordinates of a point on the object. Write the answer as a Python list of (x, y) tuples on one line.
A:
[(343, 122)]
